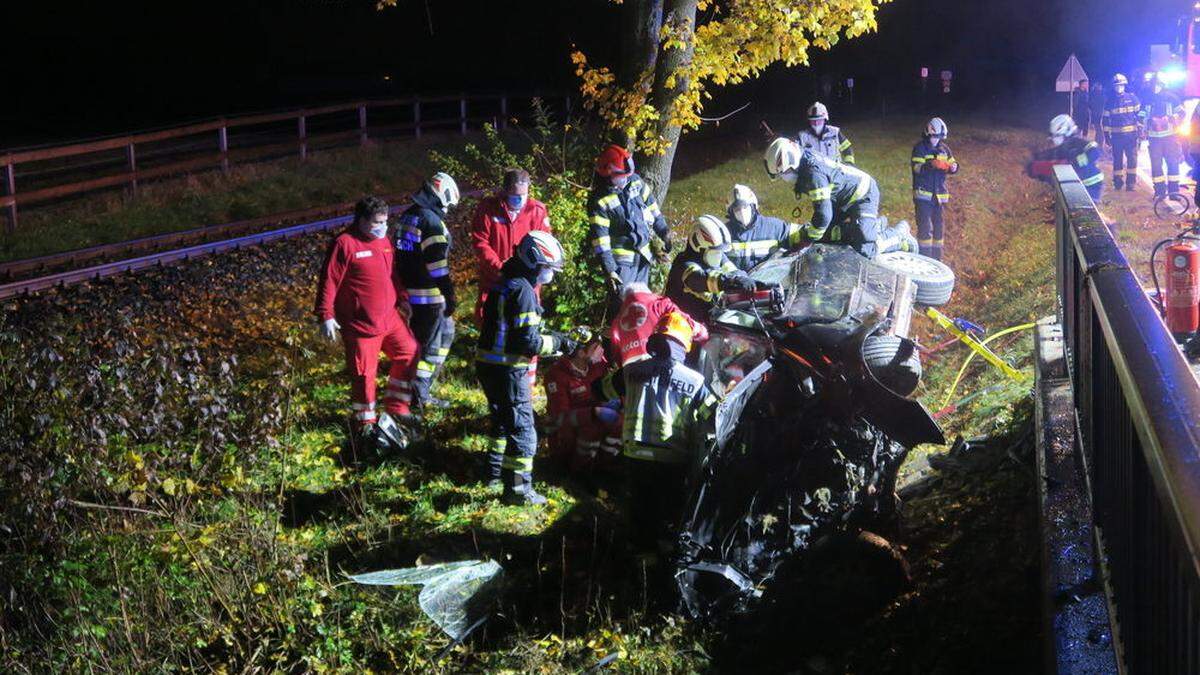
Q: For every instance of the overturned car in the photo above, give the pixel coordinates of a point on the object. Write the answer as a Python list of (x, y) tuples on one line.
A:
[(817, 369)]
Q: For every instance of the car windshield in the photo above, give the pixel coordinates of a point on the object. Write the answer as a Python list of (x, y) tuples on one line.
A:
[(824, 284)]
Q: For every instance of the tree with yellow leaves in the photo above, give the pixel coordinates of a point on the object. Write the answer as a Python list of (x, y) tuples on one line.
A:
[(671, 57)]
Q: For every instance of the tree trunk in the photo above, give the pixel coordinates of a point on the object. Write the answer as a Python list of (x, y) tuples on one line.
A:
[(641, 21), (681, 17)]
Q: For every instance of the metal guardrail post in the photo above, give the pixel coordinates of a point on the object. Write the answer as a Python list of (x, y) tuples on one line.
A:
[(10, 184), (131, 162), (362, 124), (417, 117), (302, 132), (462, 114), (223, 145)]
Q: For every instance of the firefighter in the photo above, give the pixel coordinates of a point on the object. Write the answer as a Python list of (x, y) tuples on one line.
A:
[(623, 216), (932, 161), (1119, 122), (357, 296), (823, 138), (845, 199), (636, 320), (499, 222), (703, 272), (667, 408), (584, 429), (510, 336), (754, 236), (1163, 114), (1071, 147), (423, 267)]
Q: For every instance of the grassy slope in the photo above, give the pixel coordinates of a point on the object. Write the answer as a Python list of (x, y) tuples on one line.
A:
[(578, 594)]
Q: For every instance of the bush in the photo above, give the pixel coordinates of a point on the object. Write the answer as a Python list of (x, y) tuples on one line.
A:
[(559, 160)]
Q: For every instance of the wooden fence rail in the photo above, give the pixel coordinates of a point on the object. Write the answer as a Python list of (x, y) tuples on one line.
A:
[(471, 110)]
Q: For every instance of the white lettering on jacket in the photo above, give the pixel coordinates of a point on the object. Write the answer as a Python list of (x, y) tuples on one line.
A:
[(362, 254)]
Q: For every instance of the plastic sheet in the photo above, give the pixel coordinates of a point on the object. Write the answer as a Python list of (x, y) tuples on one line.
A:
[(455, 595)]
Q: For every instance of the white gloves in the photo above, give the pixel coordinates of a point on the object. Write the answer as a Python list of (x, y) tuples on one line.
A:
[(329, 329)]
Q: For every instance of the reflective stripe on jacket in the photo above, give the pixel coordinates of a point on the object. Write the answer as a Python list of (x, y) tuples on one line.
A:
[(929, 183), (621, 222)]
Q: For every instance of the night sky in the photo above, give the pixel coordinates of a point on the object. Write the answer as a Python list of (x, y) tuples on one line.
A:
[(77, 69)]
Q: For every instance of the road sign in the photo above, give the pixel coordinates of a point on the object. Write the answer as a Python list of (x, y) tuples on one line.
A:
[(1070, 75)]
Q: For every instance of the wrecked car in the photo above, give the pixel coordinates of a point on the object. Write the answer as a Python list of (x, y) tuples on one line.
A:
[(817, 371)]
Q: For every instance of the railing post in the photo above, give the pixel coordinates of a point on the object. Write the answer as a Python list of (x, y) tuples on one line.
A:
[(503, 112), (362, 124), (131, 160), (302, 130), (417, 116), (10, 183), (462, 114), (223, 145)]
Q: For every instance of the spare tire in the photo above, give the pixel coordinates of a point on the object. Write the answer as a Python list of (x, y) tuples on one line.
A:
[(934, 279), (894, 361)]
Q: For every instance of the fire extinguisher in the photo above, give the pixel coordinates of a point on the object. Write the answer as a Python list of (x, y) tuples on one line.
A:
[(1179, 302)]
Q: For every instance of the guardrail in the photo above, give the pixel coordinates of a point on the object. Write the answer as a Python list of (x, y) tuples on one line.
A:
[(54, 172), (1137, 409)]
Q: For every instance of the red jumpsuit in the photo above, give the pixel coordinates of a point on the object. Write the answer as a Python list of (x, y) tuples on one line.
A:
[(583, 426), (636, 321), (357, 288)]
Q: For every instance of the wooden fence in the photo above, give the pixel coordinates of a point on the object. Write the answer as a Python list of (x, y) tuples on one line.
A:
[(47, 173)]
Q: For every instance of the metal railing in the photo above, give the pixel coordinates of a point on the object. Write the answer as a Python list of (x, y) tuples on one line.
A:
[(1137, 407), (42, 174)]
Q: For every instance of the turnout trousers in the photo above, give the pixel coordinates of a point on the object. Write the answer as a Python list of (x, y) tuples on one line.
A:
[(930, 226), (1165, 151), (513, 435), (1124, 149), (434, 332)]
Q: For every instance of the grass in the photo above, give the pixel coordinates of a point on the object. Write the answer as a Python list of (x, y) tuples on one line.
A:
[(270, 538)]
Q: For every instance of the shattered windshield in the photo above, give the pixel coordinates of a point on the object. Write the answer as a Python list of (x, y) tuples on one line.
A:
[(826, 283)]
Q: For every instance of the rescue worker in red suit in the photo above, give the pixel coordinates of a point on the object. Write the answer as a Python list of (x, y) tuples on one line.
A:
[(357, 296), (586, 431), (637, 319), (500, 222)]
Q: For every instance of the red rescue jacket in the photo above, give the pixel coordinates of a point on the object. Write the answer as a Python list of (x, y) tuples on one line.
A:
[(495, 238), (357, 287), (636, 321), (567, 389)]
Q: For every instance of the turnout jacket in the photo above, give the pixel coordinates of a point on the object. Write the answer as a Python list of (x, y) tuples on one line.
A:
[(694, 286), (511, 333), (929, 183), (621, 221), (1163, 114), (1121, 114), (1080, 153), (754, 243), (832, 187), (356, 285), (423, 252), (666, 410), (831, 143)]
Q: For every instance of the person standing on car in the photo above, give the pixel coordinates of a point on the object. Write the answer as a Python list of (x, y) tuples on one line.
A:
[(754, 236), (423, 267), (845, 198), (823, 138), (623, 216), (932, 161), (357, 296), (511, 335), (702, 273)]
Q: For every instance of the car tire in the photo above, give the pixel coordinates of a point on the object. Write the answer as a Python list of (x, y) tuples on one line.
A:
[(894, 361), (933, 278)]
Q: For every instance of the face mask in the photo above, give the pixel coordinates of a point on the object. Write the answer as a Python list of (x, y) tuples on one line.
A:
[(620, 182), (790, 176), (713, 257), (817, 127), (1120, 89), (934, 140), (377, 231), (545, 275), (743, 214), (515, 202), (1057, 140)]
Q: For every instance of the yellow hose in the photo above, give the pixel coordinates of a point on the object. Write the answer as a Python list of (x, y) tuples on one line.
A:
[(967, 361)]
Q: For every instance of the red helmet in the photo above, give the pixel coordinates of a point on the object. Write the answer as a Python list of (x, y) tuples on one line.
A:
[(614, 161)]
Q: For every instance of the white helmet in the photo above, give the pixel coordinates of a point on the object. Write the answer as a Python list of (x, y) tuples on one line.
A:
[(783, 154), (742, 195), (817, 111), (540, 249), (709, 232), (1063, 125), (1119, 79), (937, 127), (444, 188)]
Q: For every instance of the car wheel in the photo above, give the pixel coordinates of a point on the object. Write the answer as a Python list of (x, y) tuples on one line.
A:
[(933, 278), (894, 361)]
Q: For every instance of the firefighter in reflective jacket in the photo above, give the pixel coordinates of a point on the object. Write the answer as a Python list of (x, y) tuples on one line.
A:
[(845, 199), (754, 236), (423, 267), (823, 138), (637, 319), (1164, 114), (668, 407), (932, 161), (357, 296), (1119, 122), (585, 429), (623, 215), (702, 272), (511, 335), (1070, 147)]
